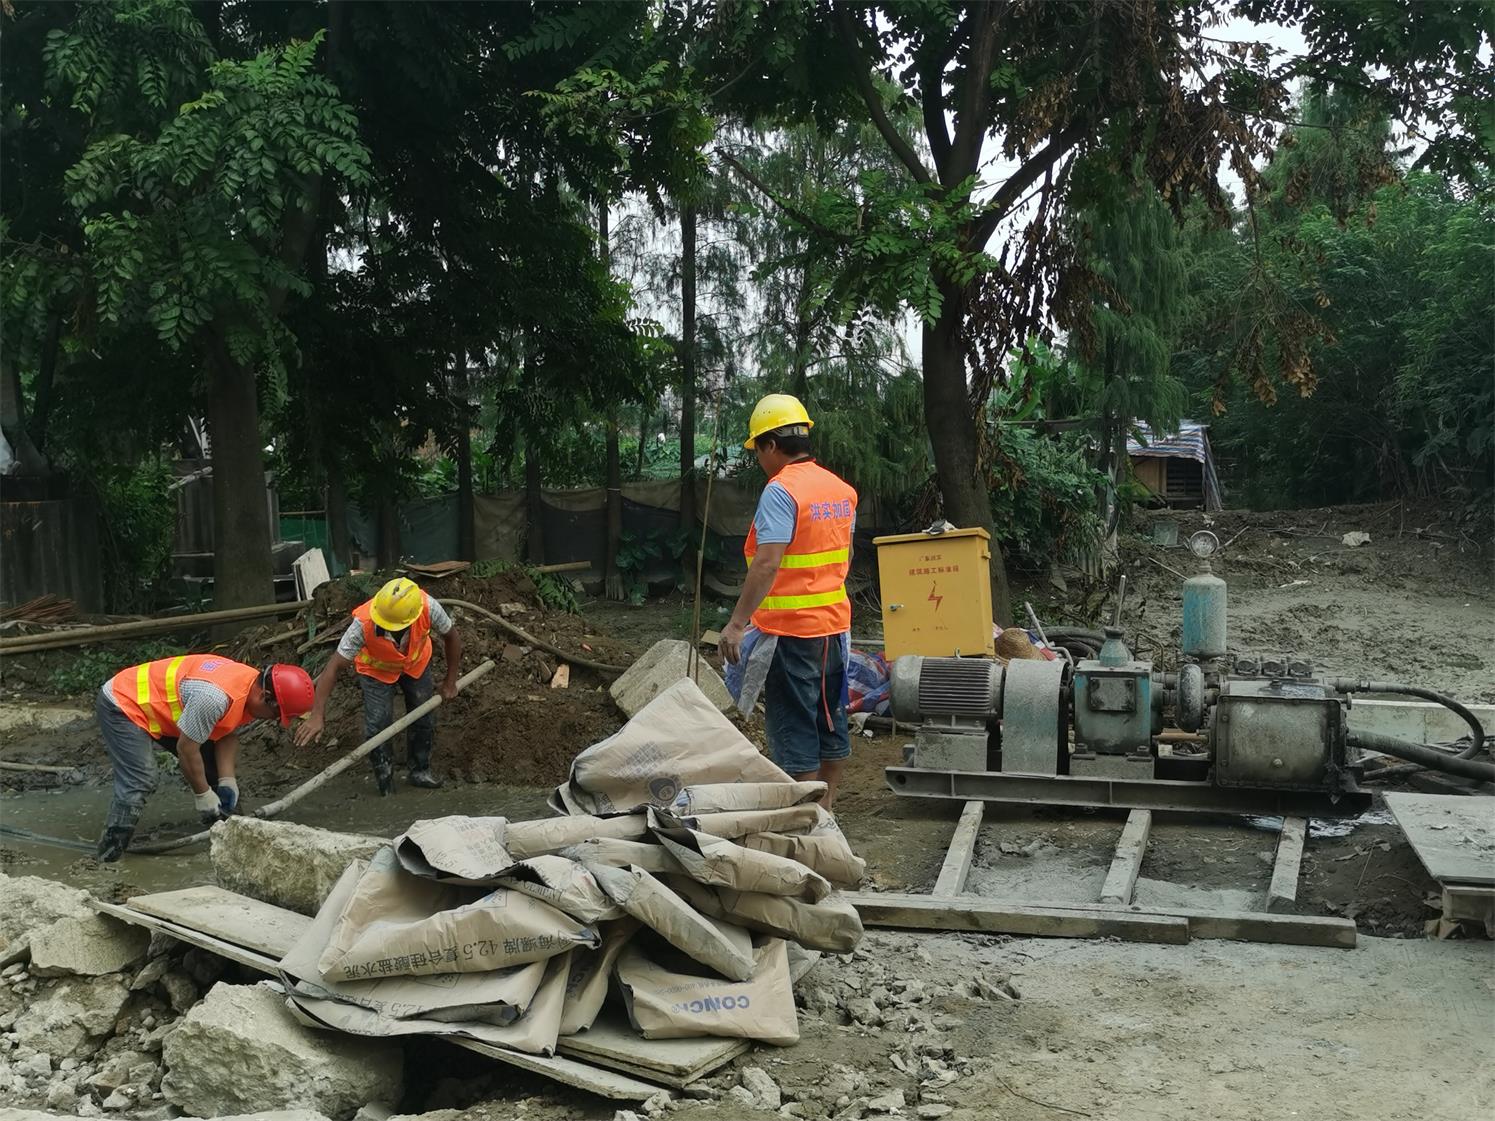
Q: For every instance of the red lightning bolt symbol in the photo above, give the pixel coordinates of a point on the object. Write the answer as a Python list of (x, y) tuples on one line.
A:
[(934, 599)]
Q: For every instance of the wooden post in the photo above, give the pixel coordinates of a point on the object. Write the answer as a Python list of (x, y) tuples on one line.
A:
[(1284, 888), (1121, 880), (957, 864)]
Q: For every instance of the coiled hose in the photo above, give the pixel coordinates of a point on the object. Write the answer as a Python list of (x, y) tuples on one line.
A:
[(1462, 764)]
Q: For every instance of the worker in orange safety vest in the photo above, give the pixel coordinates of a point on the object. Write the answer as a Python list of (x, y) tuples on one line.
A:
[(388, 644), (193, 706), (793, 615)]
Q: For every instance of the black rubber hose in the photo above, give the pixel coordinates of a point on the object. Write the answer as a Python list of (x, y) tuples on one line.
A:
[(1350, 685), (1429, 757)]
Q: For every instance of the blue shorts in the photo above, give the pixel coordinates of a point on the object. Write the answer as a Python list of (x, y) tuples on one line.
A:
[(805, 701)]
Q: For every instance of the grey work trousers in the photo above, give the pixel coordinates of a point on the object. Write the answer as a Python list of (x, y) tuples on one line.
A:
[(379, 713), (132, 752)]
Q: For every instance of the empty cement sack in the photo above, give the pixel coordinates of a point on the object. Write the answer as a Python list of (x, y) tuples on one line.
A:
[(590, 974), (832, 924), (565, 885), (678, 739), (718, 797), (824, 848), (534, 1032), (396, 924), (497, 997), (620, 854), (524, 839), (722, 863), (732, 824), (455, 849), (723, 947), (667, 999)]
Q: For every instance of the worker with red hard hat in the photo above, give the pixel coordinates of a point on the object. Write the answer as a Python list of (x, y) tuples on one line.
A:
[(193, 706)]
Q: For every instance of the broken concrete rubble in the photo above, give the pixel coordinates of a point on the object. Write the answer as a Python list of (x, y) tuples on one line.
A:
[(30, 904), (289, 865), (240, 1050), (87, 946), (666, 662), (73, 1018)]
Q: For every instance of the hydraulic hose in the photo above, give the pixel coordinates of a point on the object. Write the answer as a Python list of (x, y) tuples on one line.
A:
[(1350, 685), (1425, 756)]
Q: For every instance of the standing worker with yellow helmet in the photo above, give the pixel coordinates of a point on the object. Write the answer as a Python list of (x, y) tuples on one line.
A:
[(388, 643), (791, 629)]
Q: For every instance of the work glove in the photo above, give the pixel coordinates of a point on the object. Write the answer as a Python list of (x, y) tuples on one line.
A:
[(228, 795), (208, 808)]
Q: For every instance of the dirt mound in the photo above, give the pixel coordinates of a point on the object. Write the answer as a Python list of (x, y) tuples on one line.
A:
[(510, 726)]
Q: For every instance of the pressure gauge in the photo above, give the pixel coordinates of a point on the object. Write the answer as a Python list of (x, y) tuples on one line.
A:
[(1204, 544)]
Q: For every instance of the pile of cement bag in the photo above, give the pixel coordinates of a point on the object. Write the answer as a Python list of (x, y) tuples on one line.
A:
[(682, 869)]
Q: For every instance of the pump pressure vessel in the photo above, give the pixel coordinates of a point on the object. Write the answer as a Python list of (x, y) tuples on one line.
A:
[(1204, 615)]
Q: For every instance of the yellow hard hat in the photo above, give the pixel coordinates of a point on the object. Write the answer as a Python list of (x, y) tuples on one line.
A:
[(777, 410), (396, 605)]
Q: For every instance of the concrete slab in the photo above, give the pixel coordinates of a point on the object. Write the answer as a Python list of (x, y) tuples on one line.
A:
[(1453, 836)]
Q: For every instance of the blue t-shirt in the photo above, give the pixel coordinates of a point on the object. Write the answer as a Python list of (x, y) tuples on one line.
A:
[(776, 516)]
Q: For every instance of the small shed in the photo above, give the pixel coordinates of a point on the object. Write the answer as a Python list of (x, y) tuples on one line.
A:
[(1178, 468)]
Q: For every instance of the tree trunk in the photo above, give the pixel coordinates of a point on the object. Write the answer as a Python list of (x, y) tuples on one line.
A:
[(534, 508), (467, 547), (952, 434), (13, 422), (339, 539), (800, 380), (389, 532), (688, 368), (46, 382), (643, 434), (242, 570), (612, 577)]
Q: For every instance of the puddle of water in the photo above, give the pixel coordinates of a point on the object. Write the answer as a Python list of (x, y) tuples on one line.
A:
[(350, 805)]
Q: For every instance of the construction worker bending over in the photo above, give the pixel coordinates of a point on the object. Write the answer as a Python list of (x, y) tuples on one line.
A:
[(791, 629), (389, 643), (193, 706)]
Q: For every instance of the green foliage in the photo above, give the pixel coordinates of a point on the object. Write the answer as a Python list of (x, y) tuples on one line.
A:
[(556, 591), (88, 669), (138, 514)]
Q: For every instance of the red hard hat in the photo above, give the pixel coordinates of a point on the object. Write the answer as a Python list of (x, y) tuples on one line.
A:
[(292, 689)]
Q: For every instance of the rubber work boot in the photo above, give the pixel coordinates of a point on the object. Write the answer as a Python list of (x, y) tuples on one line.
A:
[(384, 771), (423, 777), (114, 842)]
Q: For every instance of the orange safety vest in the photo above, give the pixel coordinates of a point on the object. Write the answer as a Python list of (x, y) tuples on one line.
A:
[(381, 658), (808, 598), (148, 693)]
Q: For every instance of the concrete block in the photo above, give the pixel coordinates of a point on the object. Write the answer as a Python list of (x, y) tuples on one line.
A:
[(29, 903), (663, 664), (87, 947), (289, 865), (74, 1017), (240, 1050)]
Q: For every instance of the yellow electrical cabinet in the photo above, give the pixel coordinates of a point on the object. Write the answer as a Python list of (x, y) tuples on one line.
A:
[(936, 593)]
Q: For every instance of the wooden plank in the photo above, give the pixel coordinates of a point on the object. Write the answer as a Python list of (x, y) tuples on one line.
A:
[(1453, 836), (1470, 901), (584, 1076), (252, 958), (561, 679), (1242, 926), (227, 916), (1284, 887), (924, 912), (957, 866), (608, 1083), (1121, 880), (612, 1042)]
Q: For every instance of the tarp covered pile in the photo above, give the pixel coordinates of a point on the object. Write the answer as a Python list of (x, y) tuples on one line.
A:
[(682, 867)]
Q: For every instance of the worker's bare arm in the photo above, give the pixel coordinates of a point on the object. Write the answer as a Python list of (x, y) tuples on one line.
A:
[(451, 648), (760, 578), (189, 758), (311, 727)]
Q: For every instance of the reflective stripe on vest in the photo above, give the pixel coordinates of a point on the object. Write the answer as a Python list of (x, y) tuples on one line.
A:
[(412, 661), (150, 694), (808, 598)]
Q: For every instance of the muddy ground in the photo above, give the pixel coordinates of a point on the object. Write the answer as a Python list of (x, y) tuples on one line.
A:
[(1400, 1027)]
